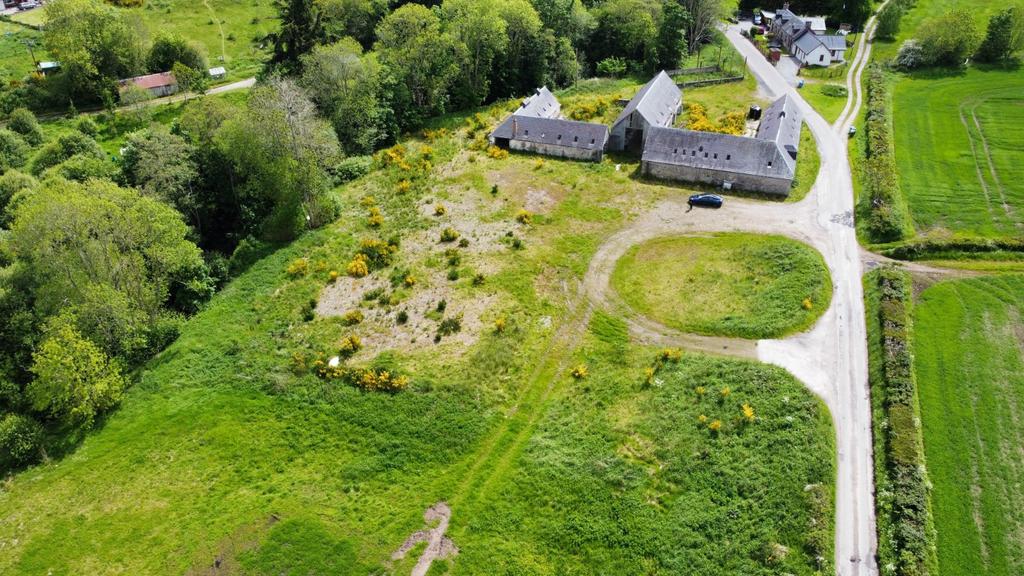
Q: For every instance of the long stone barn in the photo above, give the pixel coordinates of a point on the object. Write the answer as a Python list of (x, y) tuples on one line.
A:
[(536, 126), (765, 163)]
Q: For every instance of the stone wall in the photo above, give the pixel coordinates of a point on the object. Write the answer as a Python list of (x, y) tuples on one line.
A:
[(746, 182), (594, 155)]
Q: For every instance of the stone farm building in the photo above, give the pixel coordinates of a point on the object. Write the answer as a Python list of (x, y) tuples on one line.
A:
[(764, 163), (804, 37), (159, 84), (657, 104), (537, 126)]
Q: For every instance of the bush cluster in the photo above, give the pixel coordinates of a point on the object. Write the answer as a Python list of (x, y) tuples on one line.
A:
[(907, 534), (697, 119), (587, 109), (953, 247), (887, 217)]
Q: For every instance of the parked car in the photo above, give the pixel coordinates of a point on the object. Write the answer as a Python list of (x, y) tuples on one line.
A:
[(28, 5), (852, 131), (706, 200)]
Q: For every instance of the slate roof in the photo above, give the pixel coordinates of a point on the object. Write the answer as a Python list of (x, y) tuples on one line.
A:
[(780, 124), (710, 151), (833, 42), (658, 101), (817, 22), (542, 104), (553, 131)]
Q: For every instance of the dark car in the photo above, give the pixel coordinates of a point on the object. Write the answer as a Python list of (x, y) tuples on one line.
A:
[(705, 200)]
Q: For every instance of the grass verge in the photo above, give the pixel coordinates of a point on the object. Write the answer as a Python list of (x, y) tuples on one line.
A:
[(744, 285)]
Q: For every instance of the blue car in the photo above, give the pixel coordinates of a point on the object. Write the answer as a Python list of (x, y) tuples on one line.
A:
[(705, 200)]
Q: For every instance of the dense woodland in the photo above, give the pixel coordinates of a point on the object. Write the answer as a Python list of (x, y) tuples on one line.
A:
[(102, 257)]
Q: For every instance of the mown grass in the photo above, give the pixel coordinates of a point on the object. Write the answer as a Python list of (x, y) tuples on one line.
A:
[(808, 163), (959, 140), (15, 59), (969, 350), (231, 31), (742, 285), (227, 448), (830, 107)]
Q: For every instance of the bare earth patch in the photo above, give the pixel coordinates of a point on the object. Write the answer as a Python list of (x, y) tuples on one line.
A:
[(439, 546)]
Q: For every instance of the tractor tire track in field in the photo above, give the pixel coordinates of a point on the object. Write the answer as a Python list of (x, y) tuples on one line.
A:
[(988, 158), (977, 166)]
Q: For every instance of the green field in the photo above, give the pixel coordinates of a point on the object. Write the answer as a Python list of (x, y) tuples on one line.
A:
[(830, 107), (969, 348), (960, 150), (742, 285), (228, 447), (230, 32)]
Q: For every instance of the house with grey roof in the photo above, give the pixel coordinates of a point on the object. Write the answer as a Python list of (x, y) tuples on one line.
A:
[(537, 126), (804, 37), (765, 163), (656, 104)]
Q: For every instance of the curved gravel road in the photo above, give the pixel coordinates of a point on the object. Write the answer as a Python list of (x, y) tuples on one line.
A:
[(831, 358)]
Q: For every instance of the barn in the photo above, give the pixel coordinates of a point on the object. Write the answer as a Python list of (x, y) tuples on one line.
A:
[(656, 104)]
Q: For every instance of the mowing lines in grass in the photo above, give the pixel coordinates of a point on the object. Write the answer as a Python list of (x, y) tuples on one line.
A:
[(970, 365), (960, 151)]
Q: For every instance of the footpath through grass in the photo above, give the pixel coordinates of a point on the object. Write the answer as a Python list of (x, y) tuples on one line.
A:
[(744, 285), (969, 351), (960, 150)]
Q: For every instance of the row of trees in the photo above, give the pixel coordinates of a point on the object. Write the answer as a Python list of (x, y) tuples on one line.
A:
[(953, 38)]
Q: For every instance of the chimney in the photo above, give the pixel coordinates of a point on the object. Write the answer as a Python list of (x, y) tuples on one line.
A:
[(515, 127), (785, 5), (807, 25)]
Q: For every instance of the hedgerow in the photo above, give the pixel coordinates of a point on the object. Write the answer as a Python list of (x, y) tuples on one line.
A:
[(906, 531), (952, 248), (887, 215)]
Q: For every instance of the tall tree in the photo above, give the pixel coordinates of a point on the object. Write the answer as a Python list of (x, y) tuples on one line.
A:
[(301, 29), (352, 19), (95, 44), (170, 48), (72, 237), (423, 58), (566, 18), (1005, 35), (522, 66), (161, 165), (950, 39), (704, 14), (345, 84), (281, 149), (477, 26), (672, 35), (627, 29), (889, 20)]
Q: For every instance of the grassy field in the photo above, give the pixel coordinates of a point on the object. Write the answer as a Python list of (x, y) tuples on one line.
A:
[(15, 61), (969, 348), (960, 150), (230, 32), (728, 284), (228, 447), (830, 107)]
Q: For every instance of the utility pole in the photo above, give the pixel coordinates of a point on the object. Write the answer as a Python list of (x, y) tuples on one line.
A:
[(30, 44)]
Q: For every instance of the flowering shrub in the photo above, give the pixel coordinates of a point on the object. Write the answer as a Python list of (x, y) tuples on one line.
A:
[(524, 217), (358, 268), (497, 153), (748, 412), (579, 372), (715, 425), (499, 325), (368, 201), (349, 346), (404, 186), (376, 218), (377, 253), (332, 277), (409, 281), (449, 235), (807, 304), (380, 380), (298, 268), (352, 317), (440, 210)]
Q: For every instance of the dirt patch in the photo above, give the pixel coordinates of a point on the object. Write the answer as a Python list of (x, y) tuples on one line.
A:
[(380, 328), (243, 539), (439, 546)]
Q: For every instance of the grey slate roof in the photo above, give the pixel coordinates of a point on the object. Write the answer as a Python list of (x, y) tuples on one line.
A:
[(658, 101), (817, 22), (553, 131), (542, 104), (780, 124), (833, 42), (807, 41), (710, 151)]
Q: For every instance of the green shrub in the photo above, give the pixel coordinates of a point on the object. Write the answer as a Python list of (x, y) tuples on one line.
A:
[(24, 122), (449, 235), (615, 67), (21, 440), (13, 150), (887, 218), (352, 168), (834, 90), (87, 126)]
